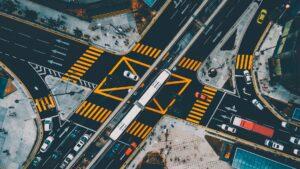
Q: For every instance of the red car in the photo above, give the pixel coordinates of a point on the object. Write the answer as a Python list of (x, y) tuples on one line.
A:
[(130, 149), (198, 95)]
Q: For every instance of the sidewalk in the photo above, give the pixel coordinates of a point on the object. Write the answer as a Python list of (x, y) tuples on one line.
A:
[(17, 120), (261, 68), (116, 34)]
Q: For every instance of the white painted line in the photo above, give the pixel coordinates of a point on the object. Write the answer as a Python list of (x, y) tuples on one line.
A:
[(6, 28), (40, 40), (4, 40), (57, 58), (216, 109), (38, 51), (22, 46), (60, 47), (25, 35)]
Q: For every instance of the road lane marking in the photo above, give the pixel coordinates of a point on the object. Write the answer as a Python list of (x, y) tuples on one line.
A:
[(35, 50), (4, 40), (22, 46), (43, 41)]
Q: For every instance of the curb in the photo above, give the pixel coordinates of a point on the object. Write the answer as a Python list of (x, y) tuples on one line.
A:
[(37, 119)]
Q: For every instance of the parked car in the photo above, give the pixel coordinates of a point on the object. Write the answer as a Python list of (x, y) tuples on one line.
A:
[(247, 77), (130, 75), (257, 104), (228, 128), (274, 144), (296, 152), (198, 95), (56, 155), (129, 150), (67, 160), (47, 143), (289, 127), (295, 140), (83, 139), (36, 161), (48, 124), (261, 16)]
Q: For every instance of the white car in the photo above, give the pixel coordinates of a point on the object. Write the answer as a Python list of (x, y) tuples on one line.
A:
[(83, 139), (47, 143), (48, 124), (296, 152), (247, 77), (284, 124), (228, 128), (274, 144), (130, 75), (295, 140), (67, 160), (257, 104)]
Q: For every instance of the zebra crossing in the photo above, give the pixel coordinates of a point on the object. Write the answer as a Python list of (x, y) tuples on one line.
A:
[(189, 64), (93, 112), (146, 50), (244, 62), (78, 69), (44, 103), (44, 71), (139, 129), (201, 105)]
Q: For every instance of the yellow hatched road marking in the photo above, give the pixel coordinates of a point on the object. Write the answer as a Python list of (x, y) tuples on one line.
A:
[(43, 104), (193, 66), (96, 49), (99, 112), (210, 88), (197, 109), (157, 53), (72, 76), (250, 62), (84, 63), (149, 50), (136, 46), (93, 53), (242, 62), (144, 50), (131, 125), (200, 106), (138, 129), (147, 132), (181, 61), (75, 73), (153, 51), (103, 113), (140, 48), (190, 64), (89, 110), (202, 102), (186, 62), (37, 103), (80, 66), (209, 100), (246, 62), (192, 120), (78, 70), (198, 65), (46, 101), (135, 127), (85, 108), (208, 92), (194, 117), (93, 112), (52, 103), (143, 130), (196, 113), (86, 59), (237, 62), (105, 117), (90, 56), (81, 106)]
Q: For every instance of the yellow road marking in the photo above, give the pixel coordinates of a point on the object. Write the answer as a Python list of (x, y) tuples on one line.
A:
[(102, 114), (181, 61), (106, 116), (37, 103), (84, 63), (153, 51), (72, 76), (43, 104), (93, 112), (96, 49), (89, 110), (147, 132), (202, 102), (138, 129), (140, 48), (99, 112), (198, 65), (237, 62), (70, 71), (192, 120), (90, 56), (131, 125), (210, 88), (242, 62), (116, 88), (197, 113), (52, 101), (93, 53), (143, 130), (149, 50), (78, 70), (81, 106), (85, 108), (80, 66), (136, 46), (47, 101), (197, 109), (186, 62), (130, 67), (208, 92), (144, 50), (134, 128), (190, 64), (157, 53), (200, 106), (250, 62), (193, 66), (194, 117), (86, 59), (246, 62), (158, 105)]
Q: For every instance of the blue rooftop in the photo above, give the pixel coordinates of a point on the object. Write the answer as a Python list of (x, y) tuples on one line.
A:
[(244, 159)]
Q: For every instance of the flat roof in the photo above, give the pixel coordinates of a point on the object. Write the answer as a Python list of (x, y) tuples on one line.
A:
[(296, 114), (248, 160), (150, 3)]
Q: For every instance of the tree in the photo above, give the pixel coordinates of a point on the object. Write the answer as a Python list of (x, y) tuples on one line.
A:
[(77, 32), (31, 15), (8, 6)]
